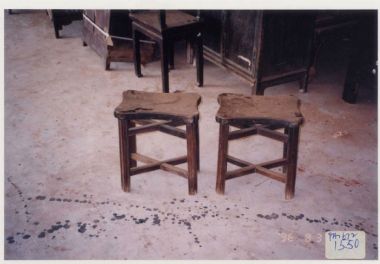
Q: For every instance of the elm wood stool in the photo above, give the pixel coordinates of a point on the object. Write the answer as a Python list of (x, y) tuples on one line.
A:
[(145, 109), (166, 27), (261, 115)]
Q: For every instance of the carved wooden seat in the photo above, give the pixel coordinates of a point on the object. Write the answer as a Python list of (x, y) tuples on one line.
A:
[(261, 115), (166, 27), (165, 113)]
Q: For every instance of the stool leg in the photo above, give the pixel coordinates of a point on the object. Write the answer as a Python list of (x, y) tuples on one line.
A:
[(132, 146), (199, 42), (222, 158), (292, 162), (192, 157), (136, 52), (124, 154), (164, 65), (197, 140), (285, 151)]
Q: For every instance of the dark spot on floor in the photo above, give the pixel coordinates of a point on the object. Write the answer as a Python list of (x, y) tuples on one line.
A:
[(156, 220), (141, 220), (117, 217), (82, 228), (40, 197), (10, 240)]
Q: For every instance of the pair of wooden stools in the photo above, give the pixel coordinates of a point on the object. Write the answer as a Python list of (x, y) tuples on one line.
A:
[(142, 112)]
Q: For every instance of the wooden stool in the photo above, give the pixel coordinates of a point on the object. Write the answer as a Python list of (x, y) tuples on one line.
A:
[(145, 109), (261, 115), (166, 27)]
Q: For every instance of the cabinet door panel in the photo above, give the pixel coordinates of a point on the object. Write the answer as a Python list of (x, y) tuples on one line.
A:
[(239, 39), (287, 39)]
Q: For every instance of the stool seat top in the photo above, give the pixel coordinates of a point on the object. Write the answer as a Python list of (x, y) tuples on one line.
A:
[(177, 105), (284, 109), (173, 19)]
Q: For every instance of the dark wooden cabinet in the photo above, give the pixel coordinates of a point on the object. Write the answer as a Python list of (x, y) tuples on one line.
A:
[(264, 47)]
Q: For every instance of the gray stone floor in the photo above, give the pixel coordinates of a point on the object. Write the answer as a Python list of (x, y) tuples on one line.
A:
[(63, 198)]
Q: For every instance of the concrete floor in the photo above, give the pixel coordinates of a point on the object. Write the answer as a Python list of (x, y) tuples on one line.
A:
[(63, 198)]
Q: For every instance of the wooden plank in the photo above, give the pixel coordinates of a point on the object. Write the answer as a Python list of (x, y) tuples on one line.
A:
[(238, 162), (271, 174), (168, 128), (272, 134), (245, 132), (172, 131), (262, 168), (268, 164), (146, 128), (142, 158), (153, 164), (146, 159), (175, 170), (142, 121), (156, 165), (152, 121), (273, 163), (241, 172), (145, 168)]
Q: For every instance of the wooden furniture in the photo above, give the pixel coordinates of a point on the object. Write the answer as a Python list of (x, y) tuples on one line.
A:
[(354, 32), (264, 47), (363, 59), (166, 27), (109, 33), (331, 26), (145, 109), (62, 17), (259, 115)]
